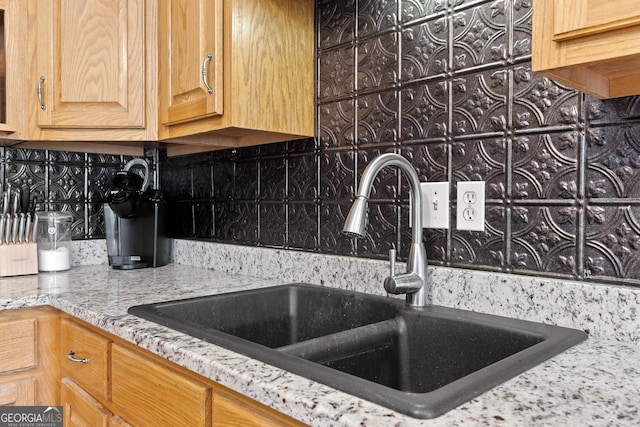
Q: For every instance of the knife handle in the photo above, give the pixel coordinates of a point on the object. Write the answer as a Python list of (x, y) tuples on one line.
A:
[(21, 228), (2, 219), (15, 205), (27, 229), (7, 228), (34, 229), (14, 229)]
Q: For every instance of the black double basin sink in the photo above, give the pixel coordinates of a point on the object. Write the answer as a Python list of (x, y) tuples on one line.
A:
[(418, 361)]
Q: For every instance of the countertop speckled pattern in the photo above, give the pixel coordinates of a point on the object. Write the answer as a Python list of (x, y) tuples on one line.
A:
[(593, 384)]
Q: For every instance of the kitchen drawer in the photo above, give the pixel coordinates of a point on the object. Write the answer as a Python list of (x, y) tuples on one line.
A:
[(17, 345), (147, 391), (92, 352)]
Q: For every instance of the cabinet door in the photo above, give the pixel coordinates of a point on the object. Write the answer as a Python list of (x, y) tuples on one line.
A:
[(572, 43), (18, 393), (90, 63), (191, 59), (13, 57), (153, 394), (229, 411), (18, 345), (581, 18), (80, 409)]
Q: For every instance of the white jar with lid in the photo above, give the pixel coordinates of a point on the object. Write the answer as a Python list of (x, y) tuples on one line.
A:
[(53, 235)]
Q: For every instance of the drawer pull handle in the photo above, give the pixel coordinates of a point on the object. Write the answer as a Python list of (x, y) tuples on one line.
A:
[(71, 356)]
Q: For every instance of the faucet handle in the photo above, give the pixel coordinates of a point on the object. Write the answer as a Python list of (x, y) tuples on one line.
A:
[(392, 262)]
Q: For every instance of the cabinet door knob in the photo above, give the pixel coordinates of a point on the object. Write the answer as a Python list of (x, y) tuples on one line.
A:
[(42, 105), (71, 357), (205, 79)]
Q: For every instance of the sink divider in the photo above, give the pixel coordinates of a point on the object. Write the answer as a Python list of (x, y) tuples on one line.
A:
[(344, 344)]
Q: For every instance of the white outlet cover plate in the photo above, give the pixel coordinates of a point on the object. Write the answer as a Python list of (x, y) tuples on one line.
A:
[(435, 204), (470, 196)]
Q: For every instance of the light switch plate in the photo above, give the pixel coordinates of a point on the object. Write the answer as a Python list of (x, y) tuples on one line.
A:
[(470, 205), (435, 204)]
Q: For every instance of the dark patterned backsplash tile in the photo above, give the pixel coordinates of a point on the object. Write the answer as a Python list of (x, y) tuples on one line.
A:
[(424, 111), (479, 35), (424, 49), (336, 67), (375, 16), (75, 183), (411, 10), (378, 62), (302, 226), (336, 20), (448, 85)]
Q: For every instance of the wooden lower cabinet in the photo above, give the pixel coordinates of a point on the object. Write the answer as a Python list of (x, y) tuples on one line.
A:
[(230, 410), (151, 393), (29, 363), (131, 386), (80, 409), (18, 392)]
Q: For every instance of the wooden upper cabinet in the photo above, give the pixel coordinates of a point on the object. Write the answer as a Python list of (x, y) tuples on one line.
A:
[(261, 72), (13, 62), (198, 74), (580, 18), (94, 73), (90, 54), (192, 60), (590, 45)]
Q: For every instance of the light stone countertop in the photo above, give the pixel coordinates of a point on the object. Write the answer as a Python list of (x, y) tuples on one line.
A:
[(595, 383)]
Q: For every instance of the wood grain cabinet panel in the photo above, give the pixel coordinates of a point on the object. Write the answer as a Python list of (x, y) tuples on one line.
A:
[(17, 345), (230, 410), (590, 45), (581, 18), (13, 62), (29, 363), (194, 59), (90, 54), (18, 393), (92, 351), (261, 72), (92, 80), (117, 421), (147, 392), (80, 409)]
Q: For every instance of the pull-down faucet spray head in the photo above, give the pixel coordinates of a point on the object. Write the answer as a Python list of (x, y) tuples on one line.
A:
[(356, 221)]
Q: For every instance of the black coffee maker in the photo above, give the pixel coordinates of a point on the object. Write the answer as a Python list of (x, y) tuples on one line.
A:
[(134, 216)]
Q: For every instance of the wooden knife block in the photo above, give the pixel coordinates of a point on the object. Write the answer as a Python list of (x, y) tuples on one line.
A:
[(18, 259)]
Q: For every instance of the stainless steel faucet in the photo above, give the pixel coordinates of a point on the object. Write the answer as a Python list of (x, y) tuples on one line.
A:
[(413, 283)]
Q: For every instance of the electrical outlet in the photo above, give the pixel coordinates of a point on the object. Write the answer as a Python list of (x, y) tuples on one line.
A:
[(470, 205), (435, 204)]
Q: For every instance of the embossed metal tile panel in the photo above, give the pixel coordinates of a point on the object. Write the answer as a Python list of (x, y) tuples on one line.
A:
[(75, 183), (447, 84)]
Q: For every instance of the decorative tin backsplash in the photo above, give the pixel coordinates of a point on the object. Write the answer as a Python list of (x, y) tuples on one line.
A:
[(63, 181), (447, 84)]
